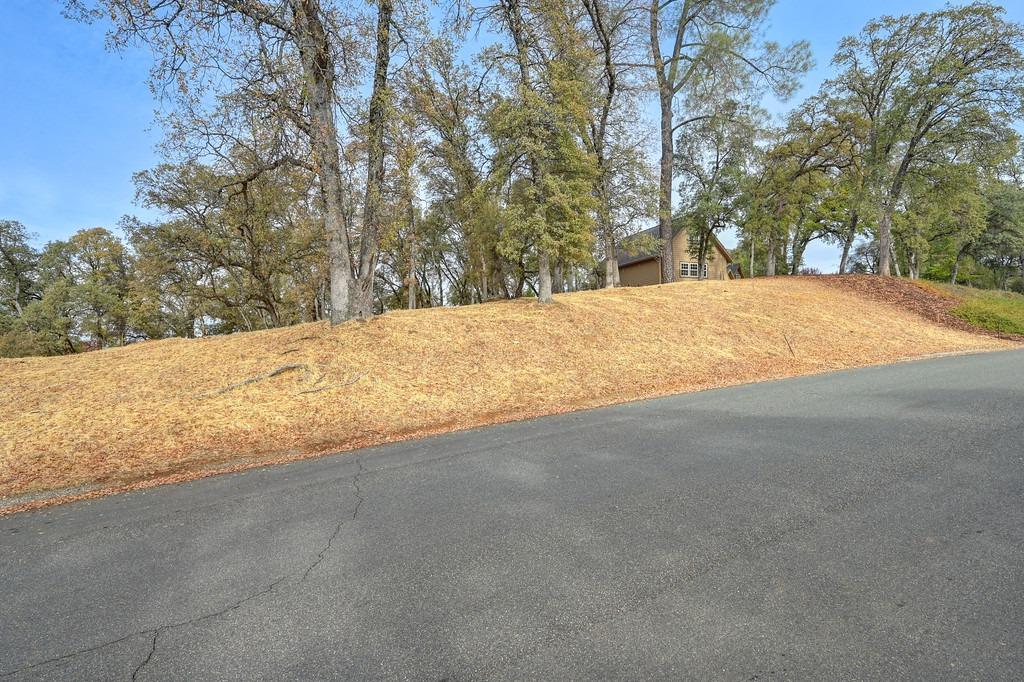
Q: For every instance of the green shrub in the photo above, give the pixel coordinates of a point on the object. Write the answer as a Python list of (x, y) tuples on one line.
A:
[(994, 310), (23, 343)]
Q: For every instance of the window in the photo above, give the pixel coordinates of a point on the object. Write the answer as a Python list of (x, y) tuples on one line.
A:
[(691, 270)]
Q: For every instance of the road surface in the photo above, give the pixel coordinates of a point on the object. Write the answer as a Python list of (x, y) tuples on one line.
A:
[(866, 524)]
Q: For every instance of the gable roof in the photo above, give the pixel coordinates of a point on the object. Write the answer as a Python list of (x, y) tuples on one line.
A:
[(640, 256), (627, 259)]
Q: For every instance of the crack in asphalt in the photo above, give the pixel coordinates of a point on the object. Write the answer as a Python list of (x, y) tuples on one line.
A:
[(145, 661), (156, 631), (198, 619), (337, 529), (57, 659)]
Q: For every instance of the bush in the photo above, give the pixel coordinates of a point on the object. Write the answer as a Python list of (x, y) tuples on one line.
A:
[(994, 310), (23, 343)]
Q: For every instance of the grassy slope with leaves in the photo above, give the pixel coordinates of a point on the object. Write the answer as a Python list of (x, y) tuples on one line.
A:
[(997, 311), (164, 410)]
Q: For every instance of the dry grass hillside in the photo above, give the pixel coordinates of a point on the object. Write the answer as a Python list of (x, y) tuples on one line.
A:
[(167, 410)]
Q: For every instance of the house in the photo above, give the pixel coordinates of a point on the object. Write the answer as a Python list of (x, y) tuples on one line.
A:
[(637, 269)]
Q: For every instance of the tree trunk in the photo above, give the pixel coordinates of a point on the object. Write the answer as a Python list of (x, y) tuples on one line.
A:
[(702, 255), (485, 293), (318, 72), (668, 270), (412, 260), (558, 283), (602, 189), (17, 294), (376, 122), (885, 243), (886, 248), (956, 264), (851, 234), (771, 264), (751, 274), (611, 263), (544, 277), (798, 257)]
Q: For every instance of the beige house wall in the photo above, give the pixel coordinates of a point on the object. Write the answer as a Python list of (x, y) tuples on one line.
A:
[(641, 274), (681, 252), (648, 272)]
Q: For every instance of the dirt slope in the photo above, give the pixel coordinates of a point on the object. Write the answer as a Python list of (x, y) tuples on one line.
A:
[(179, 408)]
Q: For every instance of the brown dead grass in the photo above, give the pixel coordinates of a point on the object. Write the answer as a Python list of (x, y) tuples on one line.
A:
[(178, 408)]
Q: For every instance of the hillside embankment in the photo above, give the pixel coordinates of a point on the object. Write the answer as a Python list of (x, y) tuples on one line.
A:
[(175, 409)]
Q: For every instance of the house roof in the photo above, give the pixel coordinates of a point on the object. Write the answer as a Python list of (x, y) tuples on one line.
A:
[(628, 259)]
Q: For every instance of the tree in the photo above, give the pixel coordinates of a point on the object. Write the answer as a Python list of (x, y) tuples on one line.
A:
[(18, 263), (1001, 246), (712, 48), (927, 83), (795, 195), (864, 259), (623, 188), (233, 255), (400, 268), (85, 285), (973, 230), (942, 213), (462, 219), (285, 63), (712, 161), (538, 133), (376, 124)]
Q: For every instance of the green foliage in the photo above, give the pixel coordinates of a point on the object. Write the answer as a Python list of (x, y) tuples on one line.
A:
[(712, 158), (968, 226), (805, 186), (234, 255), (936, 88), (85, 283), (998, 311), (21, 342), (944, 213), (18, 263), (538, 133)]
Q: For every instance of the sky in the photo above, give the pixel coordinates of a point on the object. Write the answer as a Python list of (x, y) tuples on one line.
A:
[(77, 120)]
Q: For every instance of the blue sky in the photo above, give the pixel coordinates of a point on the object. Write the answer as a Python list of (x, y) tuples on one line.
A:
[(77, 120)]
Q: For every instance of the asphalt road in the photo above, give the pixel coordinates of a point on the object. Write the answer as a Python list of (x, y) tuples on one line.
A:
[(859, 525)]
